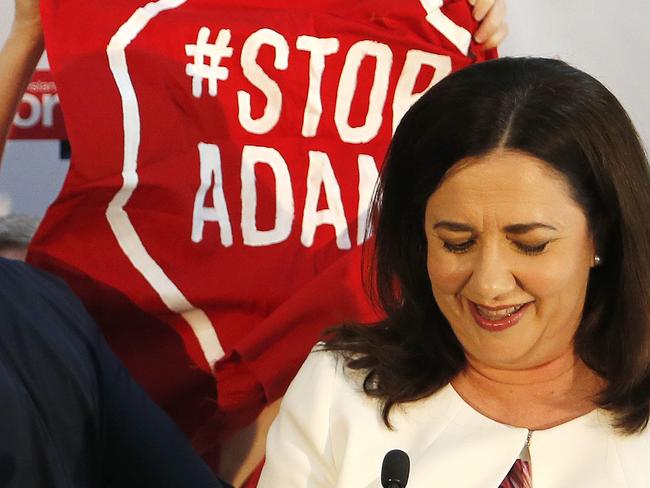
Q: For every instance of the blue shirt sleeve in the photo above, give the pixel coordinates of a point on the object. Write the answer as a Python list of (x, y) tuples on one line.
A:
[(70, 414)]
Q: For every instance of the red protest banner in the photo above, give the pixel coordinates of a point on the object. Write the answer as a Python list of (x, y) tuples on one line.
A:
[(224, 160)]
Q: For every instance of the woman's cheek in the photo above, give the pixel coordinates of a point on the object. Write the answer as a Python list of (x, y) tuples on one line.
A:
[(447, 274), (552, 276)]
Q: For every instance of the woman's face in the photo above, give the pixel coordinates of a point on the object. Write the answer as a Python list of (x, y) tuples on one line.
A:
[(509, 253)]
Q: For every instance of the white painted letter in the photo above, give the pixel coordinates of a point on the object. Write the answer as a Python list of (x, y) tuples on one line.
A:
[(459, 36), (348, 85), (320, 172), (368, 175), (256, 75), (415, 59), (318, 49), (210, 159), (284, 213)]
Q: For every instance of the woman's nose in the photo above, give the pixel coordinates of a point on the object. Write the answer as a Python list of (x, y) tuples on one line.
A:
[(492, 278)]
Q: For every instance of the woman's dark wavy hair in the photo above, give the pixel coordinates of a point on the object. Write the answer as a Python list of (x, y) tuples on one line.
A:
[(556, 113)]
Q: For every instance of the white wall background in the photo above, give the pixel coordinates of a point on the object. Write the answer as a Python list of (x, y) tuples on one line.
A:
[(610, 40)]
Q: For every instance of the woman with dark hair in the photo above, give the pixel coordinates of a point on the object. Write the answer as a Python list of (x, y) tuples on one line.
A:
[(512, 260)]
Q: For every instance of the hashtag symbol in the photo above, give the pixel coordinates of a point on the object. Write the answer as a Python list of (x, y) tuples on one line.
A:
[(212, 72)]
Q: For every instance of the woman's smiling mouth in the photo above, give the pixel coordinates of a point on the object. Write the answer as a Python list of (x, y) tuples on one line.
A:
[(497, 319)]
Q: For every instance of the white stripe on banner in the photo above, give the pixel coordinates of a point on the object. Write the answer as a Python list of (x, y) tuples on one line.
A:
[(458, 35), (126, 235)]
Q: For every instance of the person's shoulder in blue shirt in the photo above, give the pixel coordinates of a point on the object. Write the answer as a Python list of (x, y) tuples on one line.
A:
[(71, 414)]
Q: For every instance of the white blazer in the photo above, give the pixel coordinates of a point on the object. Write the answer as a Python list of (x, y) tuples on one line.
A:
[(329, 434)]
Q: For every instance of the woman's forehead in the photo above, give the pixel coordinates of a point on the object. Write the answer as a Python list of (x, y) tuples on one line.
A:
[(507, 186)]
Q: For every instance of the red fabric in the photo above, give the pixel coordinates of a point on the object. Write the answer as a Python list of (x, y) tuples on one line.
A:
[(267, 302)]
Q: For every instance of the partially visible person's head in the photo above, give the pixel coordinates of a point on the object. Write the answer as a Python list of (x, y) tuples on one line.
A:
[(16, 232), (557, 145)]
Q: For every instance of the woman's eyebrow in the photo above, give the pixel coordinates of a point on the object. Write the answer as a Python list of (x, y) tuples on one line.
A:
[(454, 226), (527, 227), (510, 229)]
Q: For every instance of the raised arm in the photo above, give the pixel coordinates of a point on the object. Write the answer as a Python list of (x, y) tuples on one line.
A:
[(18, 58)]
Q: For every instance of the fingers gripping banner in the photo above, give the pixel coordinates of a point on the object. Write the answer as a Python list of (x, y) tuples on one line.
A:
[(224, 155)]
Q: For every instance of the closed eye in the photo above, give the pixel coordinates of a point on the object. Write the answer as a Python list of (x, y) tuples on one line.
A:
[(531, 250), (458, 248)]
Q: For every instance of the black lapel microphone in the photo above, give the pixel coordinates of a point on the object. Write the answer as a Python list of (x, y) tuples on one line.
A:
[(395, 469)]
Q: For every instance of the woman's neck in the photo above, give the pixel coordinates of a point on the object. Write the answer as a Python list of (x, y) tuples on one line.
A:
[(536, 398)]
